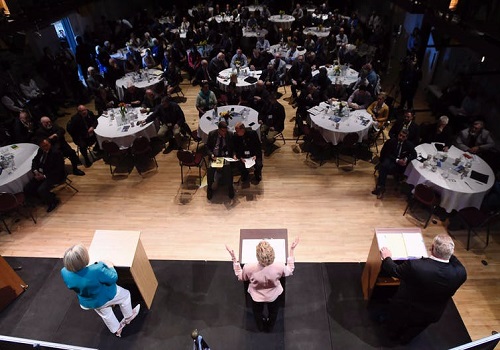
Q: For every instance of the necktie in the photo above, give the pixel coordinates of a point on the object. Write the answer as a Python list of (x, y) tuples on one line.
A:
[(471, 142), (221, 146), (400, 145)]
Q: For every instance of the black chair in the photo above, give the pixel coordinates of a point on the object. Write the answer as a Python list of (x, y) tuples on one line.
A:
[(190, 159), (475, 219), (377, 135), (193, 135), (12, 202), (143, 155), (318, 146), (116, 157), (67, 182), (425, 196), (348, 147)]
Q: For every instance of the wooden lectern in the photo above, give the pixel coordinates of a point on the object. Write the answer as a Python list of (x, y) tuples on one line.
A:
[(11, 285), (404, 244), (124, 249)]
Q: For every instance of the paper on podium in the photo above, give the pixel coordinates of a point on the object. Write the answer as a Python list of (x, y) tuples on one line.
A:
[(403, 246), (248, 249), (249, 162)]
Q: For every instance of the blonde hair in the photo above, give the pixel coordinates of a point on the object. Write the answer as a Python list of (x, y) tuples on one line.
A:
[(265, 253), (76, 258)]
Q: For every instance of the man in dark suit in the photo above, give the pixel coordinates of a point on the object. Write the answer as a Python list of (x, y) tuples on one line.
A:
[(272, 122), (247, 145), (407, 122), (48, 170), (395, 155), (81, 128), (220, 144), (300, 75), (426, 287)]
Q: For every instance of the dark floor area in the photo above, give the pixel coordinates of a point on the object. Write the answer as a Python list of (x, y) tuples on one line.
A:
[(324, 309)]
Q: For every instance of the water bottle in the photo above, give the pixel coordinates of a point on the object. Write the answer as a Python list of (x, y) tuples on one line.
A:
[(215, 114)]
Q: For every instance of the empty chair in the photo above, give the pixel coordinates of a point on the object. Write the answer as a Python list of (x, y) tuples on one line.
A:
[(67, 182), (12, 202), (426, 196), (190, 159), (318, 147), (475, 219), (144, 159), (194, 136), (116, 157), (349, 147)]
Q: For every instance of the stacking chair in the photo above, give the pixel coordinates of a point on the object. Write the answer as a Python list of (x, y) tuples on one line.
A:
[(194, 136), (380, 134), (425, 196), (305, 132), (475, 219), (12, 202), (349, 147), (319, 146), (116, 157), (280, 135), (190, 159), (142, 153), (67, 182)]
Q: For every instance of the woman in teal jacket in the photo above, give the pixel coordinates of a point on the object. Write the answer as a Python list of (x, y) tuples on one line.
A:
[(96, 288)]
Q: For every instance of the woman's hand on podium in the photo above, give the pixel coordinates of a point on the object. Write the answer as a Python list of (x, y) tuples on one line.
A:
[(231, 252), (385, 253)]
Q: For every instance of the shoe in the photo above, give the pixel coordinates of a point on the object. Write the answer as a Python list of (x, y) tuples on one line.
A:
[(210, 193), (376, 191), (231, 192), (168, 149), (118, 333), (88, 164), (135, 312), (53, 205), (78, 172), (258, 178), (244, 178)]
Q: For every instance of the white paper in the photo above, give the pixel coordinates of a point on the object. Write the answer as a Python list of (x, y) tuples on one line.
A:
[(415, 246), (248, 249), (249, 162), (230, 159)]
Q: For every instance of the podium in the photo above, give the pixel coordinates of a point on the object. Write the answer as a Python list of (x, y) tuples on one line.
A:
[(404, 244), (11, 285), (250, 238), (124, 249)]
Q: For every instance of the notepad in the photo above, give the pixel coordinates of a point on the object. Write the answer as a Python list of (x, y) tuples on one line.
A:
[(218, 162), (479, 177), (251, 80)]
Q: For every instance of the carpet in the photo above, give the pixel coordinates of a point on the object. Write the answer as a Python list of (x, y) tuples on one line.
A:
[(323, 309)]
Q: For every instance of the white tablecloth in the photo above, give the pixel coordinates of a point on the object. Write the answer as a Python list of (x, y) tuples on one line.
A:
[(205, 125), (225, 18), (253, 8), (283, 49), (349, 77), (13, 181), (257, 33), (456, 193), (121, 54), (109, 129), (146, 80), (223, 79), (317, 32), (359, 121), (284, 21)]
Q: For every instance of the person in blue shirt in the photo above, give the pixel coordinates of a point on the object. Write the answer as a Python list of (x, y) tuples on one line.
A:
[(96, 288)]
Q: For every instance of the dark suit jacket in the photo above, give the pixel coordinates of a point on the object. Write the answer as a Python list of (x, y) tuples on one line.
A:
[(52, 167), (413, 131), (426, 285), (248, 145), (273, 115), (300, 75), (78, 126), (212, 143), (390, 150)]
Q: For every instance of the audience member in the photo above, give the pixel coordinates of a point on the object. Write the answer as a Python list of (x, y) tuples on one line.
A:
[(395, 155), (272, 122), (406, 122), (247, 146), (24, 128), (360, 98), (81, 128), (239, 60), (300, 75), (216, 65), (205, 100), (379, 111), (219, 144), (439, 132), (475, 139)]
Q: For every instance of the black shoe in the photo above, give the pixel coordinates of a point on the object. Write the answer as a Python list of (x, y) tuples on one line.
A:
[(258, 178), (210, 193), (78, 172), (53, 205), (88, 163), (168, 149), (231, 192), (376, 191)]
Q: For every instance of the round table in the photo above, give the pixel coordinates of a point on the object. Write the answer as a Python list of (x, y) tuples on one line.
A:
[(251, 33), (225, 18), (253, 8), (347, 76), (283, 49), (142, 80), (113, 128), (13, 181), (121, 54), (206, 125), (456, 193), (359, 121), (284, 21), (316, 31), (224, 78)]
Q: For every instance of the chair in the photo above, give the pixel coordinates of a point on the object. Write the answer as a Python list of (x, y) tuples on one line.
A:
[(116, 157), (190, 159), (280, 135), (177, 90), (318, 145), (10, 202), (348, 146), (194, 136), (424, 195), (67, 182), (474, 219), (374, 137), (305, 132), (143, 155)]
